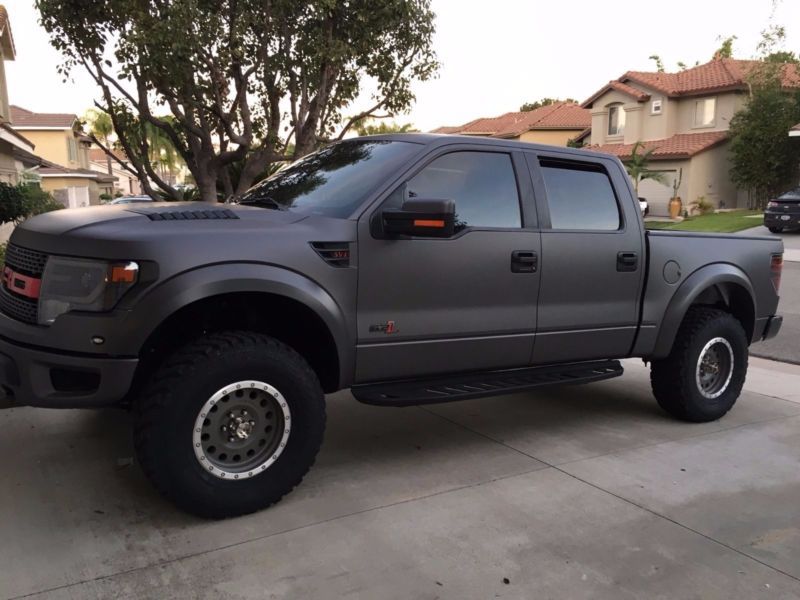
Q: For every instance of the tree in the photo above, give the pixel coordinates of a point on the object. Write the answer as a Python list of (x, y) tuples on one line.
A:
[(726, 48), (659, 63), (529, 106), (101, 128), (241, 79), (637, 166), (18, 202), (764, 159), (369, 126)]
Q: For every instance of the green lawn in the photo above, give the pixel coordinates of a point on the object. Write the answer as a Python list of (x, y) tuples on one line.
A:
[(726, 222)]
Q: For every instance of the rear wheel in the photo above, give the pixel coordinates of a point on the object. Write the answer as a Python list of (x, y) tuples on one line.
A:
[(775, 229), (229, 424), (703, 375)]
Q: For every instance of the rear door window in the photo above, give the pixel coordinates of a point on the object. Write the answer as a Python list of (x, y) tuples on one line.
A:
[(579, 196)]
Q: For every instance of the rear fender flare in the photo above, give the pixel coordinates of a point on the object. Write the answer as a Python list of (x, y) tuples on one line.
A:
[(701, 280)]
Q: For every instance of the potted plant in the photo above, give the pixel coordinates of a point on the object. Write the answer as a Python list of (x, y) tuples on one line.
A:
[(675, 201)]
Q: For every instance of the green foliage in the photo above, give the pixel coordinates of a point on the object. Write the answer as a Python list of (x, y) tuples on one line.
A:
[(658, 61), (702, 206), (637, 166), (573, 143), (764, 159), (3, 253), (529, 106), (726, 48), (18, 202), (722, 222), (241, 79), (368, 126)]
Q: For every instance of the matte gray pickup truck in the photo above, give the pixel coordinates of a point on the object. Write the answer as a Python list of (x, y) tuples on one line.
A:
[(408, 268)]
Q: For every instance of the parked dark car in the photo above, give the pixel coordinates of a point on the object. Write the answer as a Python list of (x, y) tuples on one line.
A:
[(410, 269), (783, 212)]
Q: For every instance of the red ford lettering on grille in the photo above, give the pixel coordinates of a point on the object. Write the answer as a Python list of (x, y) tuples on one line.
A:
[(21, 284)]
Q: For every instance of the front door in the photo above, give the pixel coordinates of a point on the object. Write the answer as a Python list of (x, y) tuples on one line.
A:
[(429, 306), (593, 259)]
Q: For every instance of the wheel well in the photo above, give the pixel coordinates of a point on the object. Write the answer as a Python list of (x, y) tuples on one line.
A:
[(283, 318), (732, 298)]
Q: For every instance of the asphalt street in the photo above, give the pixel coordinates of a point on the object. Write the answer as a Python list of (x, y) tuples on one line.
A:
[(786, 346)]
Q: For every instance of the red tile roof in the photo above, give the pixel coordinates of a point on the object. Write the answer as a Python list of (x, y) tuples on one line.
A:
[(718, 75), (682, 145), (22, 119), (561, 115), (795, 128), (619, 86)]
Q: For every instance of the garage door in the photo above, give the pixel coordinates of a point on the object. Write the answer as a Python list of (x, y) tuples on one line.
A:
[(658, 194)]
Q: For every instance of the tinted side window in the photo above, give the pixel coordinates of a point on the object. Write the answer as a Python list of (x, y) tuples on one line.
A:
[(482, 184), (579, 196)]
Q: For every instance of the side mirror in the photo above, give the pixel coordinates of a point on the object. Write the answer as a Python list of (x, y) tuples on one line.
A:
[(422, 218)]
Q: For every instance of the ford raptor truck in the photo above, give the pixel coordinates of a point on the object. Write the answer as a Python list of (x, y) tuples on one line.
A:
[(410, 269)]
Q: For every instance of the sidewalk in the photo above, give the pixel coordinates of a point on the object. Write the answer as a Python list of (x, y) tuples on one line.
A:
[(581, 492)]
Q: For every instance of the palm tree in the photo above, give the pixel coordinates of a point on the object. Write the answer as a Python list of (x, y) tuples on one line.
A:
[(101, 128), (368, 126), (162, 152), (637, 167)]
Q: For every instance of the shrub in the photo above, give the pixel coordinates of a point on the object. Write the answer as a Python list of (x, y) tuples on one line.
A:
[(702, 206)]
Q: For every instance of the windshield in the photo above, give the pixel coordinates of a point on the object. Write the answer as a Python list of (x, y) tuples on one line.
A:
[(333, 181), (791, 195)]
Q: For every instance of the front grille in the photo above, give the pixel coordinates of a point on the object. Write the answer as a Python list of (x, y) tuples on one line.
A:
[(26, 262)]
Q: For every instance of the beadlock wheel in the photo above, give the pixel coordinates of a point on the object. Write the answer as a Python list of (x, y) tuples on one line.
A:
[(241, 430), (714, 368)]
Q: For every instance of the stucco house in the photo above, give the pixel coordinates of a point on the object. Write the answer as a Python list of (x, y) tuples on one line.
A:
[(685, 116), (64, 149), (127, 183), (554, 124), (11, 142)]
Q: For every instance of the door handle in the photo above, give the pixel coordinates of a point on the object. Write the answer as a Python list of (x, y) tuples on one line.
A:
[(524, 261), (627, 261)]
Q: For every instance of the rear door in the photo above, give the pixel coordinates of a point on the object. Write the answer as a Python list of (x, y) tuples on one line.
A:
[(592, 261), (427, 305)]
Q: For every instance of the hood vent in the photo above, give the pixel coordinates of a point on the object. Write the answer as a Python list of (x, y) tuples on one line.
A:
[(336, 254), (188, 213)]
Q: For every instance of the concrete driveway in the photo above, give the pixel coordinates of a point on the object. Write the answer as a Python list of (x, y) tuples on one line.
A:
[(582, 492)]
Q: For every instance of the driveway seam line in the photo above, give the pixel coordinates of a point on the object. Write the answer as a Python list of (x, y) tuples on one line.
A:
[(631, 502), (541, 467)]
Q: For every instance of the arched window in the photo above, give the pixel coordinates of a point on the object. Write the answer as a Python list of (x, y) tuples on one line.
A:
[(616, 119)]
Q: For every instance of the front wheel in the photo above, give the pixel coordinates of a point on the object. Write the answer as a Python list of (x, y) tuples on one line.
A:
[(703, 375), (229, 424), (775, 229)]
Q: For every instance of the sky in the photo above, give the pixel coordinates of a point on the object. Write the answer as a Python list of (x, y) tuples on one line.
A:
[(494, 55)]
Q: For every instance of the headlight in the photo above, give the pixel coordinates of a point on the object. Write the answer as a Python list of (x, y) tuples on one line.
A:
[(772, 204), (81, 284)]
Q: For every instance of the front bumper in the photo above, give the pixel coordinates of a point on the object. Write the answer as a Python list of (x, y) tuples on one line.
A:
[(35, 377), (781, 219)]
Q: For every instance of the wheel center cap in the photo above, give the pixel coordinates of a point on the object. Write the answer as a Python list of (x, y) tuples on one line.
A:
[(241, 428)]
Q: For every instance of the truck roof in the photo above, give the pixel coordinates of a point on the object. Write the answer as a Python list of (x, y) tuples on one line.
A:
[(435, 139)]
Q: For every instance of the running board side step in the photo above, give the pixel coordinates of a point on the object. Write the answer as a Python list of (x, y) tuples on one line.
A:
[(486, 383)]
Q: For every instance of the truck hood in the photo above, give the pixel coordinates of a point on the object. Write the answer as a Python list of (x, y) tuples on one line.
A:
[(184, 234)]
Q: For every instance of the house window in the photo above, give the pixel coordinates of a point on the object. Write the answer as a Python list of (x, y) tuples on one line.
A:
[(704, 112), (72, 149), (655, 107), (616, 119)]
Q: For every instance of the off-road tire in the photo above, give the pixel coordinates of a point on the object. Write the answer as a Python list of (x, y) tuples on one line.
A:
[(775, 229), (674, 378), (166, 411)]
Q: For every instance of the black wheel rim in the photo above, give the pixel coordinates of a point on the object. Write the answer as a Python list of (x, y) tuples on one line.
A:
[(714, 368), (241, 430)]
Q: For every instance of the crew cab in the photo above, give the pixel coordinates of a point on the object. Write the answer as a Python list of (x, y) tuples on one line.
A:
[(409, 268)]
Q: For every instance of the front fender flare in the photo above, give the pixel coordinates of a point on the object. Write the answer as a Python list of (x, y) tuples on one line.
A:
[(181, 290), (694, 285)]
